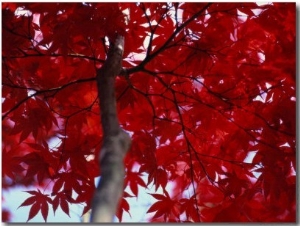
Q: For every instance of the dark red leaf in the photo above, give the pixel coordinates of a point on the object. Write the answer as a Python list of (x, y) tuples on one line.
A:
[(44, 210), (64, 206), (55, 203), (57, 185), (28, 201), (35, 208), (158, 196)]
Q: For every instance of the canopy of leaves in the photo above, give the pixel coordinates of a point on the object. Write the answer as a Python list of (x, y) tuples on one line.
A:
[(207, 94)]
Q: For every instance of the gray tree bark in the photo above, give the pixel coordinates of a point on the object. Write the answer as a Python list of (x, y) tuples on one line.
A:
[(116, 141)]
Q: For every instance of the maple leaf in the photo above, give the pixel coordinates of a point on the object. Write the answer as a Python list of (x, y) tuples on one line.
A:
[(123, 206), (11, 164), (165, 206), (38, 202), (233, 184), (62, 199), (134, 179), (192, 211)]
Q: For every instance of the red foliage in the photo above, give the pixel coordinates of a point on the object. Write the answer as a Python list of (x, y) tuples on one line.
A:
[(209, 87), (5, 215), (38, 202)]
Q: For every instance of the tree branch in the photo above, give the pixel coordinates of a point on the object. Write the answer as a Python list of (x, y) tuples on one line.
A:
[(116, 141)]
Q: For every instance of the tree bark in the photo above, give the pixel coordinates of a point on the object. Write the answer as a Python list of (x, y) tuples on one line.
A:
[(116, 141)]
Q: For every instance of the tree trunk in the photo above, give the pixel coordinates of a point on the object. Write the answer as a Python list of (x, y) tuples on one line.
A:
[(116, 141)]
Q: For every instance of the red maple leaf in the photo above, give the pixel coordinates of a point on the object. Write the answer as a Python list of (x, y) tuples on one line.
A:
[(38, 202)]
